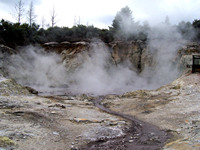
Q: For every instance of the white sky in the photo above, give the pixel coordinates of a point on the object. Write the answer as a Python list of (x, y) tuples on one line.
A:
[(100, 13)]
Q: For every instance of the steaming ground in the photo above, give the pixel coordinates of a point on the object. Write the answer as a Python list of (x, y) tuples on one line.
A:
[(97, 74)]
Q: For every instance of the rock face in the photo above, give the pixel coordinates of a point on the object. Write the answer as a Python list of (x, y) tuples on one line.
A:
[(10, 87), (190, 48), (186, 53), (130, 52), (71, 47), (133, 52), (5, 53), (68, 51)]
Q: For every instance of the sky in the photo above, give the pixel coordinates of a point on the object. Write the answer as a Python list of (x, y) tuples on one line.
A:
[(101, 13)]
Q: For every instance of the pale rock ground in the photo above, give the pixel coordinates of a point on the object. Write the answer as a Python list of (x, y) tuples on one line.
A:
[(174, 107), (65, 122), (53, 123)]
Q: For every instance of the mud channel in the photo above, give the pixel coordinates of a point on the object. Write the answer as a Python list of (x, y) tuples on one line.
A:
[(140, 136)]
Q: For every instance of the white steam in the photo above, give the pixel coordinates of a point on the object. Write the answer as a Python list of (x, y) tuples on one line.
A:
[(97, 73), (164, 41), (34, 67)]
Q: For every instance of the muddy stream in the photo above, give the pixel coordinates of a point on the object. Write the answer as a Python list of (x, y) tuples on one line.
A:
[(140, 136)]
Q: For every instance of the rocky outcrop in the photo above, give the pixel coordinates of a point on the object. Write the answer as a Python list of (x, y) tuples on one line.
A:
[(5, 53), (10, 87), (129, 52), (68, 51), (190, 49), (75, 47), (186, 53), (134, 53)]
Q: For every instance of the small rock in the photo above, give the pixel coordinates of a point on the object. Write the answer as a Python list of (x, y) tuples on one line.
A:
[(31, 90), (53, 112), (72, 147), (130, 141), (80, 120), (55, 133), (113, 123), (78, 136), (70, 98), (152, 133)]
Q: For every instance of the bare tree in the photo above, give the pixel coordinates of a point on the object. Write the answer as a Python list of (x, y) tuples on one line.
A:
[(31, 14), (53, 17), (19, 11), (43, 22)]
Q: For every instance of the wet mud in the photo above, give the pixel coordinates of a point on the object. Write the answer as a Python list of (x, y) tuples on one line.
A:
[(140, 136)]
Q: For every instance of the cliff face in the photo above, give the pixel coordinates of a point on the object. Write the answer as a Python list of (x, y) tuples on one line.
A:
[(186, 53), (132, 53), (5, 53), (135, 54), (84, 67)]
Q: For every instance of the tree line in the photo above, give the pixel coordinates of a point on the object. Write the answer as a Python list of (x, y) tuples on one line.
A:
[(123, 28)]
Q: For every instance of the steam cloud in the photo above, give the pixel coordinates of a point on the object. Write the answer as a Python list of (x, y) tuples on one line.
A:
[(98, 74), (164, 41), (34, 67)]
